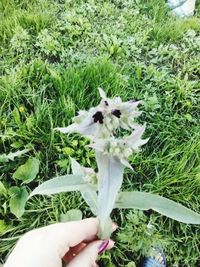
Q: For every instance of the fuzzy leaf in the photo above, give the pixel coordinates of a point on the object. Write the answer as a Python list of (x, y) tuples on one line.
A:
[(90, 197), (18, 200), (76, 167), (28, 171), (167, 207), (66, 183), (110, 181)]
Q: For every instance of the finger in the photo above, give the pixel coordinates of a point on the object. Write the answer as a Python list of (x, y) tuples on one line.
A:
[(62, 236), (78, 248), (88, 256), (94, 237), (75, 250)]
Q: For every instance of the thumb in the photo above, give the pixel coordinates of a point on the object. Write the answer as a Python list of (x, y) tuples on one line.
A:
[(88, 256)]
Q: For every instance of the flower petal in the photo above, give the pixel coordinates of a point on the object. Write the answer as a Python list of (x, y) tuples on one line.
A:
[(87, 130), (102, 93), (134, 140), (129, 107), (116, 101), (82, 114), (70, 129), (126, 163)]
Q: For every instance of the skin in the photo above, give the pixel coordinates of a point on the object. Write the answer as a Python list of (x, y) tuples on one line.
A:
[(75, 242)]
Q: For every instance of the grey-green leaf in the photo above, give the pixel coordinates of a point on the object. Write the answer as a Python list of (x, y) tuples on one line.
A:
[(90, 197), (76, 167), (28, 171), (109, 183), (18, 200), (146, 201), (65, 183)]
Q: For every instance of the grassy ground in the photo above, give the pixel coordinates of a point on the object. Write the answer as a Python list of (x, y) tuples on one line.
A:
[(53, 57)]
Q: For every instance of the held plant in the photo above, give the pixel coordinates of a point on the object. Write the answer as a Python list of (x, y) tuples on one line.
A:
[(101, 190)]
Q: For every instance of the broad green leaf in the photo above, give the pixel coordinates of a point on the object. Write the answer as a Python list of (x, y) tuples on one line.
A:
[(28, 171), (74, 143), (131, 264), (3, 227), (3, 208), (11, 156), (109, 183), (66, 183), (3, 190), (146, 201), (71, 215), (16, 116), (18, 200), (68, 151)]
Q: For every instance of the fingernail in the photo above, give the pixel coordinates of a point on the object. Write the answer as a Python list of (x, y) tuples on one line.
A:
[(103, 246), (111, 244), (114, 226)]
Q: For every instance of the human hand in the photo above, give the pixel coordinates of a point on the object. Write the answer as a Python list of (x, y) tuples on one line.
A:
[(75, 242)]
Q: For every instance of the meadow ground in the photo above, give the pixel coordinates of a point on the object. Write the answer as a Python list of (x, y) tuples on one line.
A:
[(54, 54)]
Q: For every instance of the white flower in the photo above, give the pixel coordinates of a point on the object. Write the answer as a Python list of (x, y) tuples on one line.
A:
[(118, 113), (104, 119), (85, 123), (121, 148)]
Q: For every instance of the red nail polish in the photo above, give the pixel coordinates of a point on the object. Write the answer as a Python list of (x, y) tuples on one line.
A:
[(103, 246)]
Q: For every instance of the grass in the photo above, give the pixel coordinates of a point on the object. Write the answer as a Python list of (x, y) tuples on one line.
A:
[(53, 57)]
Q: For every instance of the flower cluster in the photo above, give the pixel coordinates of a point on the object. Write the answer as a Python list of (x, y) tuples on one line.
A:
[(100, 123), (89, 175), (121, 148), (103, 120)]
